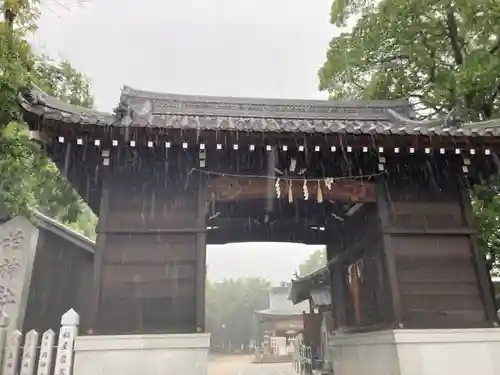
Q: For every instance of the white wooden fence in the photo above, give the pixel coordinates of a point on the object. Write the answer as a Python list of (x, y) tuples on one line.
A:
[(30, 356)]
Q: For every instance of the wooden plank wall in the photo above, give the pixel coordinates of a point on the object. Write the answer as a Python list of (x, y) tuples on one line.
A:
[(439, 285), (420, 264), (61, 280), (150, 271), (359, 239)]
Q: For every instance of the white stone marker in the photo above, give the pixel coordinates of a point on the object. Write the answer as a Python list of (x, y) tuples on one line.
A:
[(29, 353), (12, 343), (69, 329), (46, 350)]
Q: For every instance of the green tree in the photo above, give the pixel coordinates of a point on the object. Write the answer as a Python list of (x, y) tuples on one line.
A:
[(440, 54), (16, 56), (486, 206), (316, 260), (64, 82), (230, 311), (29, 179)]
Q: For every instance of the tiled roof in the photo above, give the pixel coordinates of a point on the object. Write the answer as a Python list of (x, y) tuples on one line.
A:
[(64, 232), (46, 107), (171, 111)]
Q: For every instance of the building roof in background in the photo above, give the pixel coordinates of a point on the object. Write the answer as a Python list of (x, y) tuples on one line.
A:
[(315, 282)]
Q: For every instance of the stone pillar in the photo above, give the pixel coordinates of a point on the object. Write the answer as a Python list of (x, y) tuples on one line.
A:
[(18, 244)]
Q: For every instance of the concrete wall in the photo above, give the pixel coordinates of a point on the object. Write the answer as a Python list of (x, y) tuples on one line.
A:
[(418, 352), (183, 354)]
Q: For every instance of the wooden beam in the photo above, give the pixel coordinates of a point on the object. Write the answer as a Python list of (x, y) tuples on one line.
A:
[(238, 188), (274, 222), (221, 236)]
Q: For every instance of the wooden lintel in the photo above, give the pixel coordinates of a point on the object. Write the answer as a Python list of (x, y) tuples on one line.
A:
[(266, 234), (231, 189), (239, 222), (430, 231)]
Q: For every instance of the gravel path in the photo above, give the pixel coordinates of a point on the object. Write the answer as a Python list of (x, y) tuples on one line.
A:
[(242, 365)]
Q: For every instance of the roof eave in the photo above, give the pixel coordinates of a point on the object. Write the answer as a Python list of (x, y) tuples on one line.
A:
[(62, 231), (44, 106)]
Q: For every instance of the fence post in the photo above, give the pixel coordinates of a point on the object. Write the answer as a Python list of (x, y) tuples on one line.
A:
[(12, 345), (46, 350), (4, 325), (69, 329), (29, 353)]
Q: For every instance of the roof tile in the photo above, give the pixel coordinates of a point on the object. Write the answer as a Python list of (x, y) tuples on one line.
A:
[(169, 111)]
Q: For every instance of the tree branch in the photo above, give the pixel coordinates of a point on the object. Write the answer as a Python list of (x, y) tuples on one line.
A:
[(451, 23), (390, 59)]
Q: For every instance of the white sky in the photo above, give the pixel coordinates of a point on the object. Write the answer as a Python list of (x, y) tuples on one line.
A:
[(264, 48)]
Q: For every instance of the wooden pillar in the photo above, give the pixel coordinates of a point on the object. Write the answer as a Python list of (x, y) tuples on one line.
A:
[(150, 258), (201, 270), (437, 276), (485, 283), (99, 250), (336, 284), (383, 210)]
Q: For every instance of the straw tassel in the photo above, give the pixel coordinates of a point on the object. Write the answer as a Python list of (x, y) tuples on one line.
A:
[(305, 190), (328, 183), (278, 190), (319, 193), (290, 194)]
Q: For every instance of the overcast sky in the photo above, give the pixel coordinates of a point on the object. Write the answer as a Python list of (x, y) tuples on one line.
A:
[(266, 48), (256, 48)]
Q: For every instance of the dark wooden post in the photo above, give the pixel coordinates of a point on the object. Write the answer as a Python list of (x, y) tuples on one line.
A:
[(201, 262), (383, 210), (99, 251), (485, 283), (436, 274), (150, 260)]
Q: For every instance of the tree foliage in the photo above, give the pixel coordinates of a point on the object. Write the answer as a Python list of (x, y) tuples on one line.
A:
[(440, 54), (230, 311), (316, 260), (29, 179), (64, 82), (486, 205)]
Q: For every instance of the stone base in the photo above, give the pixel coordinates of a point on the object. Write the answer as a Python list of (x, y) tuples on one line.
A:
[(418, 352), (183, 354)]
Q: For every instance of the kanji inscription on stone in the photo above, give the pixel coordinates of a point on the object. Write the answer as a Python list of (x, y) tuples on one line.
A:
[(9, 266), (46, 350), (12, 240)]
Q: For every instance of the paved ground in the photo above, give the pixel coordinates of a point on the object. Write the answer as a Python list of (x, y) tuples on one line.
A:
[(242, 365)]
